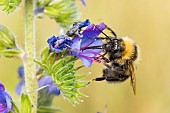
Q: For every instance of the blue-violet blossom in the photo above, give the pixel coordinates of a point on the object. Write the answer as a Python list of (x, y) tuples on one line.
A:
[(82, 24), (45, 80), (21, 84), (5, 100), (88, 39), (57, 44), (52, 89), (83, 2), (77, 45)]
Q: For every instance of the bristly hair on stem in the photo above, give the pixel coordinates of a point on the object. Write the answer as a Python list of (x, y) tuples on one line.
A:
[(28, 59)]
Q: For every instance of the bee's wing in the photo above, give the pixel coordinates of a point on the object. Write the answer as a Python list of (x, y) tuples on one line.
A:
[(133, 78)]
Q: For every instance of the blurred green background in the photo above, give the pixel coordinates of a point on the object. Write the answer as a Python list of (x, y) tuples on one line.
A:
[(145, 21)]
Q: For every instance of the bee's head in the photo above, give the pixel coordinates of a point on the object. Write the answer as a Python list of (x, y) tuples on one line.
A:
[(115, 47), (118, 45)]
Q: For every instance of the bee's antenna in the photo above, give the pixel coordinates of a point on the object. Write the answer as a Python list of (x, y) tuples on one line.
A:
[(111, 31), (103, 33)]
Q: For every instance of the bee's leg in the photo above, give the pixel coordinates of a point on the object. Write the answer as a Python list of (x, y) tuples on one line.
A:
[(93, 47), (104, 58), (99, 79), (101, 57), (111, 31), (108, 66), (102, 38)]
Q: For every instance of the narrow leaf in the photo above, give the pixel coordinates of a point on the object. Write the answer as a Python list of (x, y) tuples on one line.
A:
[(25, 104)]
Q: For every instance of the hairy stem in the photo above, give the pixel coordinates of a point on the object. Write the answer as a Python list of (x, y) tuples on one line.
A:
[(28, 59)]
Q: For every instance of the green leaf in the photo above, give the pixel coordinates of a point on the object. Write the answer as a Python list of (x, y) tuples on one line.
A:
[(43, 66), (6, 37), (44, 54), (25, 104), (10, 52), (15, 107), (64, 12), (10, 5), (45, 109), (61, 67), (82, 76), (8, 46)]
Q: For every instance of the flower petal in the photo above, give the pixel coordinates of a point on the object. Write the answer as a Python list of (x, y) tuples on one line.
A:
[(88, 39), (86, 62), (20, 87), (8, 102), (83, 2), (5, 100), (76, 43), (59, 43), (84, 24), (3, 105), (47, 80), (90, 33), (54, 90), (97, 42), (2, 88), (21, 72)]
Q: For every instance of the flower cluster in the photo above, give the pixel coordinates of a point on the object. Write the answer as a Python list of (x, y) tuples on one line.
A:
[(77, 44), (5, 100)]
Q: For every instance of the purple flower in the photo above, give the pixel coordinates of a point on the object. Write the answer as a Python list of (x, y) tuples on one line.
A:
[(21, 72), (57, 44), (47, 80), (88, 39), (77, 46), (5, 100), (83, 2), (82, 24), (21, 84)]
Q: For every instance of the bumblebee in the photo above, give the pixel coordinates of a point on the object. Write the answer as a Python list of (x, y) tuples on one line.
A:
[(123, 55)]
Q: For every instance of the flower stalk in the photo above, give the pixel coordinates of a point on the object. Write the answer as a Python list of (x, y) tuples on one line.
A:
[(28, 59)]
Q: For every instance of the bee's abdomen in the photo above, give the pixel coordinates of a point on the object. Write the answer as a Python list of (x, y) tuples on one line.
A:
[(115, 74)]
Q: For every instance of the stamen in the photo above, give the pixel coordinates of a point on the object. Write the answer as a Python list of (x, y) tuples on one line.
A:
[(43, 87)]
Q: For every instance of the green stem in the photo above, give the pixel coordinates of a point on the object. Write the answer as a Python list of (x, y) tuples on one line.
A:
[(29, 65)]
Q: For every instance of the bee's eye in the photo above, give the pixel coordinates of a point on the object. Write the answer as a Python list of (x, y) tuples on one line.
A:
[(115, 51)]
